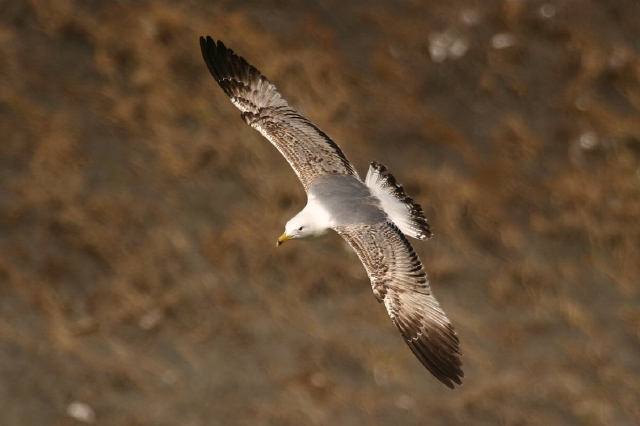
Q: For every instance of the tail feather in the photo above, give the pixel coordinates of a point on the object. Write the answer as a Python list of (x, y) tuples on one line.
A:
[(406, 214)]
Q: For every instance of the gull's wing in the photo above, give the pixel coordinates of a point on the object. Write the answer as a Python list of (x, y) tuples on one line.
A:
[(400, 282), (310, 151)]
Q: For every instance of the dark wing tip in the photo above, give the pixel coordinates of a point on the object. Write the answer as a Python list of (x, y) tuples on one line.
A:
[(441, 361), (216, 56), (226, 67), (210, 55), (242, 82), (436, 345)]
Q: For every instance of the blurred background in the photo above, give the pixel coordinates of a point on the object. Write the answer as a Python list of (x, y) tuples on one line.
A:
[(139, 279)]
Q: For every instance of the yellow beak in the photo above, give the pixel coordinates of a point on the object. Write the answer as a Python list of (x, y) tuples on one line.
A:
[(284, 237)]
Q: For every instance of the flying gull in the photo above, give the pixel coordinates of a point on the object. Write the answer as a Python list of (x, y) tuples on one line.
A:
[(373, 216)]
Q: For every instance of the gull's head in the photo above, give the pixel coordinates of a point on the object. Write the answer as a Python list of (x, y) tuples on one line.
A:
[(297, 227), (306, 225)]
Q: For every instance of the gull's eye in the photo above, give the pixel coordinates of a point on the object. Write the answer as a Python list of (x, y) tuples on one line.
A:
[(300, 229)]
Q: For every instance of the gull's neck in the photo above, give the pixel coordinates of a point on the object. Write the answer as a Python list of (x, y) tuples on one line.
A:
[(316, 217)]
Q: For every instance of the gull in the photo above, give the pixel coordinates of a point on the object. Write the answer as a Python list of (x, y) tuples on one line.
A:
[(374, 217)]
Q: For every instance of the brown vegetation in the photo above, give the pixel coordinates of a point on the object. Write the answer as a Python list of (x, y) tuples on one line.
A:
[(138, 213)]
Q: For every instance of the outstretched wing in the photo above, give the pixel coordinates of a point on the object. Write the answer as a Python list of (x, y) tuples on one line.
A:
[(400, 282), (309, 150)]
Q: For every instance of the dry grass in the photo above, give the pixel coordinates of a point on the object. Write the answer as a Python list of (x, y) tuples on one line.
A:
[(138, 214)]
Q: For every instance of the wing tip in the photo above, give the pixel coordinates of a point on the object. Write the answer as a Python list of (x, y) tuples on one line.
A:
[(217, 57), (442, 362), (245, 85)]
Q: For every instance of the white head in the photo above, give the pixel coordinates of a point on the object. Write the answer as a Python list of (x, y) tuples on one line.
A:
[(310, 223)]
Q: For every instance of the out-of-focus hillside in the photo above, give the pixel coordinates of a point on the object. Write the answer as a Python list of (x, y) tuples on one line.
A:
[(139, 279)]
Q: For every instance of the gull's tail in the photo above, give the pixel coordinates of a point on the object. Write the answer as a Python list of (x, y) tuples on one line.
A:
[(407, 215)]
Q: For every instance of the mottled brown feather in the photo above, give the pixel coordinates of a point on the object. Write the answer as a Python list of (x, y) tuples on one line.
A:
[(400, 282)]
